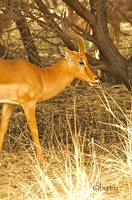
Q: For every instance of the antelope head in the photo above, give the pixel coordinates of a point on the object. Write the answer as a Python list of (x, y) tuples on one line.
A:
[(77, 60)]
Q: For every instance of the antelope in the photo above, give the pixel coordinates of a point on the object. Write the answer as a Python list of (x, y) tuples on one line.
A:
[(115, 17), (76, 19), (23, 83)]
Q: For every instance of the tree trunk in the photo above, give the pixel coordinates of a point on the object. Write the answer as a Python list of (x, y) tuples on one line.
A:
[(28, 42), (24, 30)]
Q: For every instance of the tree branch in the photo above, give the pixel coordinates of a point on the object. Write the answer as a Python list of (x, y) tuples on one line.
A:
[(81, 11)]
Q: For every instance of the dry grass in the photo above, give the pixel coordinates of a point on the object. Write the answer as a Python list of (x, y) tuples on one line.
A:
[(77, 165)]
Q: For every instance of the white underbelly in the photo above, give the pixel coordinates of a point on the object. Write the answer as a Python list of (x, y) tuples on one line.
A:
[(8, 94)]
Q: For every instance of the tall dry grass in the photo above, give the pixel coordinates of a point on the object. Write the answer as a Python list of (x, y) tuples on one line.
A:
[(76, 167)]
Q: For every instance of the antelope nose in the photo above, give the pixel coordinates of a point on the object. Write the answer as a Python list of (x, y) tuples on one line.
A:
[(96, 78)]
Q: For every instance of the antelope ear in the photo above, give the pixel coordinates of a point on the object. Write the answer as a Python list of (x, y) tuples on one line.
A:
[(64, 50)]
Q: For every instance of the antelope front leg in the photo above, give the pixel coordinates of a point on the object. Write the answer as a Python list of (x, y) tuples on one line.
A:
[(6, 113), (29, 110)]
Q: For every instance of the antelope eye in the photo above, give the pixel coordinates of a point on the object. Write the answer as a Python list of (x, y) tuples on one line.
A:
[(81, 63)]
